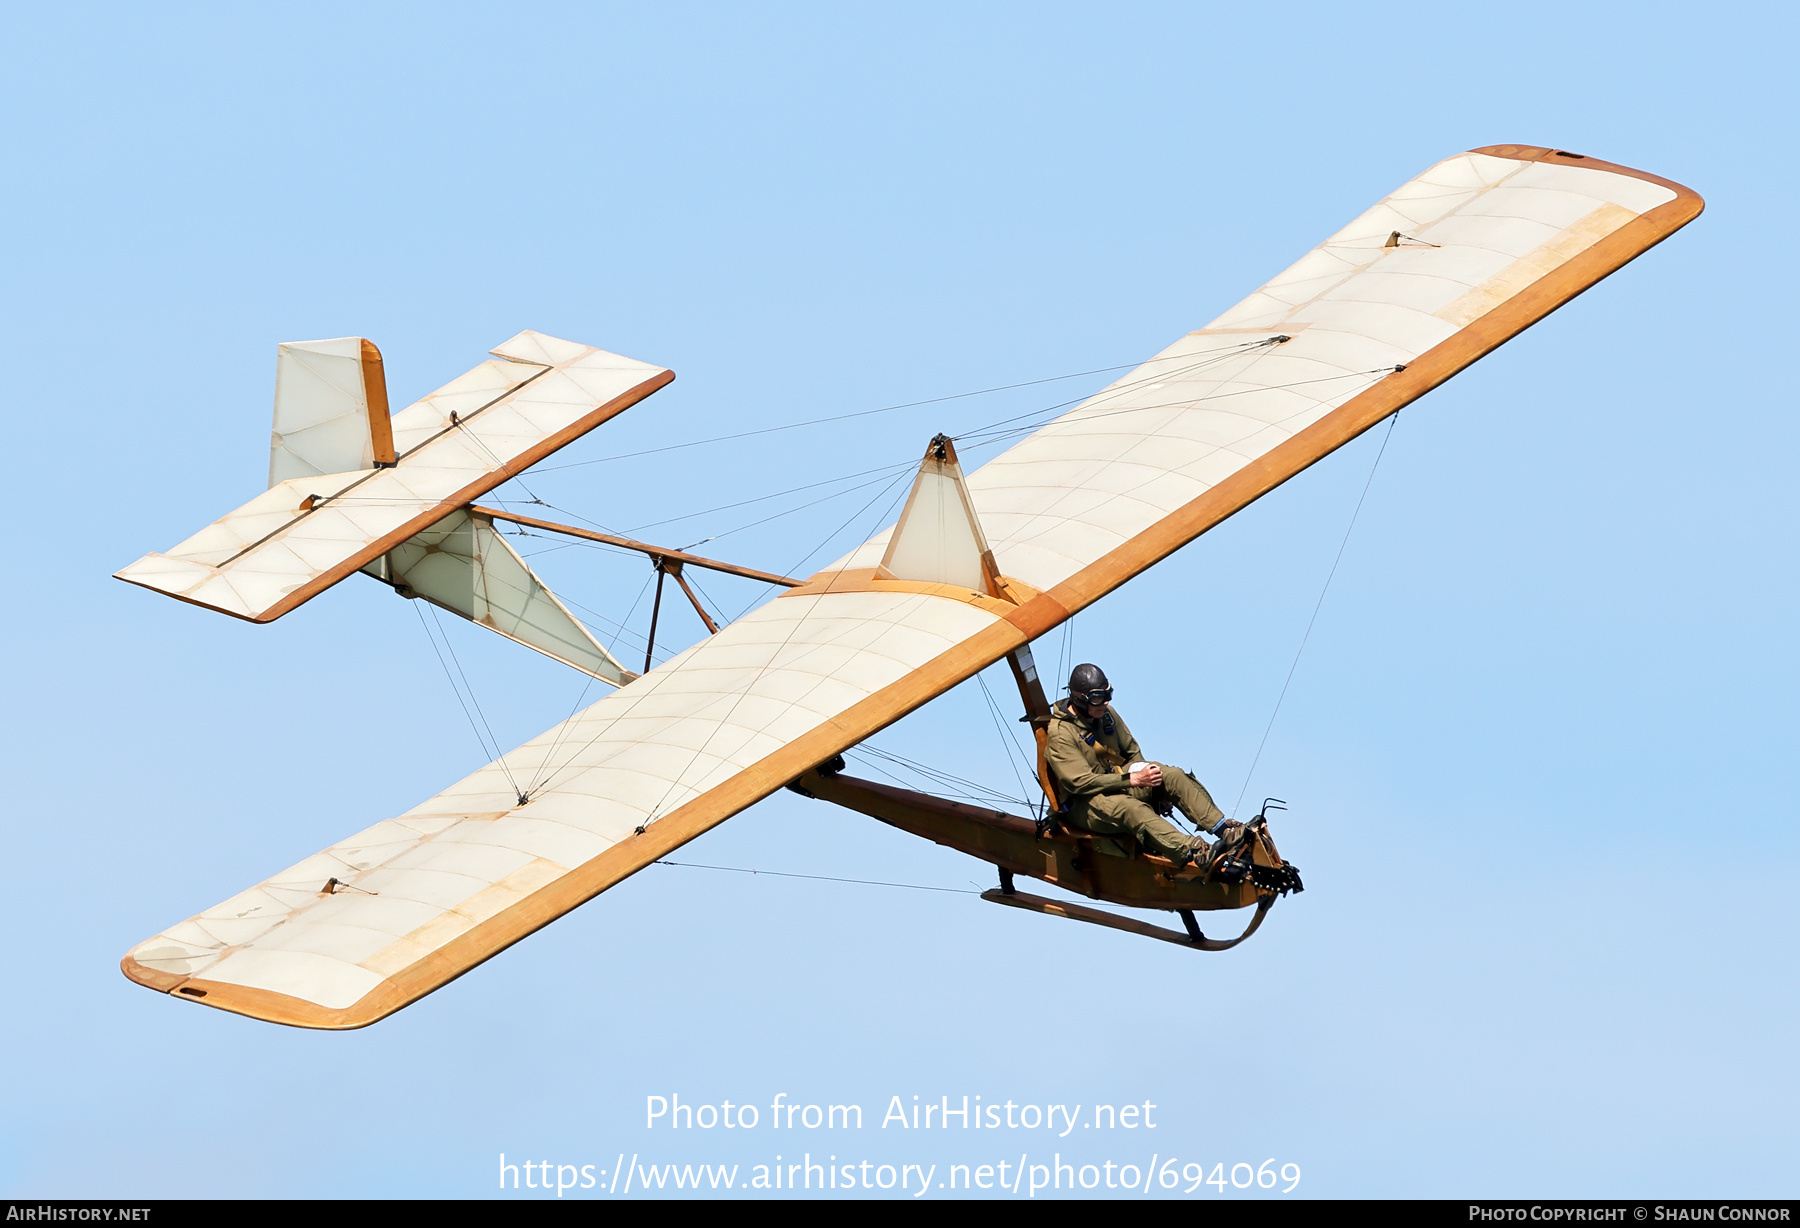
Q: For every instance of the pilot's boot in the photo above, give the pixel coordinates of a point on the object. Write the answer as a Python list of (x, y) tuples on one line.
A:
[(1231, 834), (1228, 859)]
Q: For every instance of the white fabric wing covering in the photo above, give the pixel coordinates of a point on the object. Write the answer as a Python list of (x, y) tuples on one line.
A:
[(717, 727), (458, 859), (282, 548), (1477, 229), (463, 565)]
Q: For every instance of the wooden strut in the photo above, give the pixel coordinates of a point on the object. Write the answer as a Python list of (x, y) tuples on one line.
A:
[(655, 552), (655, 610), (666, 566), (1193, 939), (674, 569)]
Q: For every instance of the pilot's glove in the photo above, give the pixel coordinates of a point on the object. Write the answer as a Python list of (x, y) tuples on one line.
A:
[(1229, 833)]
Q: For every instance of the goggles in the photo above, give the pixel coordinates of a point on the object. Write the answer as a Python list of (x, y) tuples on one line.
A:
[(1099, 695)]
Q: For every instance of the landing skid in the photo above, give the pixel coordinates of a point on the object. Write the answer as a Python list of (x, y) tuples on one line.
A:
[(1192, 939)]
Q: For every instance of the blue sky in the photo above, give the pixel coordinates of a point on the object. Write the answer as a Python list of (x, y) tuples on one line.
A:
[(1538, 750)]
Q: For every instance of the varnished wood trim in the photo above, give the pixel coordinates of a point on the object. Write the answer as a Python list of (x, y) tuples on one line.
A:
[(674, 569), (381, 422), (880, 580), (163, 982), (655, 552), (1563, 157), (849, 580), (961, 662)]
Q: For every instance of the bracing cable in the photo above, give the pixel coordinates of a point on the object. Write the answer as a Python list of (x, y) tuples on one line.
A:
[(865, 413), (645, 693), (821, 878), (1014, 757), (744, 693), (495, 751), (958, 786), (1317, 606)]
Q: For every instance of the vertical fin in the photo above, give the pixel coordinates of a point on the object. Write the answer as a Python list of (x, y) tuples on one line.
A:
[(462, 565), (331, 409), (938, 539)]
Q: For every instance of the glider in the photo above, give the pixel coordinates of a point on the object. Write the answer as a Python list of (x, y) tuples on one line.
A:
[(978, 565)]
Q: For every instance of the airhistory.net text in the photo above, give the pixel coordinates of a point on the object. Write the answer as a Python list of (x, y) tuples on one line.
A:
[(671, 1112)]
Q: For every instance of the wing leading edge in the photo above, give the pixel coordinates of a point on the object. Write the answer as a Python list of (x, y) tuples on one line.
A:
[(1142, 468)]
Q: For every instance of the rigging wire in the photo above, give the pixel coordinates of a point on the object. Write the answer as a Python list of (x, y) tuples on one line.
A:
[(648, 691), (1014, 756), (725, 507), (562, 729), (707, 598), (827, 539), (620, 630), (892, 482), (980, 437), (1203, 360), (1317, 606), (495, 752), (971, 438), (606, 548), (997, 436), (822, 878), (565, 511), (481, 443), (865, 413), (904, 467), (1065, 655), (924, 782), (972, 442), (906, 470), (855, 516), (866, 882), (970, 790), (561, 732), (939, 775), (549, 549), (744, 693)]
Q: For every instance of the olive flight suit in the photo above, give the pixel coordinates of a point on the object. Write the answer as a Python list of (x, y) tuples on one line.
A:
[(1088, 760)]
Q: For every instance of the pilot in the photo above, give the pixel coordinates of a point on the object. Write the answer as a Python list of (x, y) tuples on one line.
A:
[(1109, 789)]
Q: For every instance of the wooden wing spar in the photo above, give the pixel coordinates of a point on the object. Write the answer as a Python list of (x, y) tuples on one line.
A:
[(1448, 267)]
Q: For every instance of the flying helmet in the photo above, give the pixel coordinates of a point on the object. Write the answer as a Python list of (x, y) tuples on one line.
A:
[(1088, 685)]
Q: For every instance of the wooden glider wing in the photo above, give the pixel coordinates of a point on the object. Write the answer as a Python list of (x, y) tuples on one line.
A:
[(1447, 268)]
